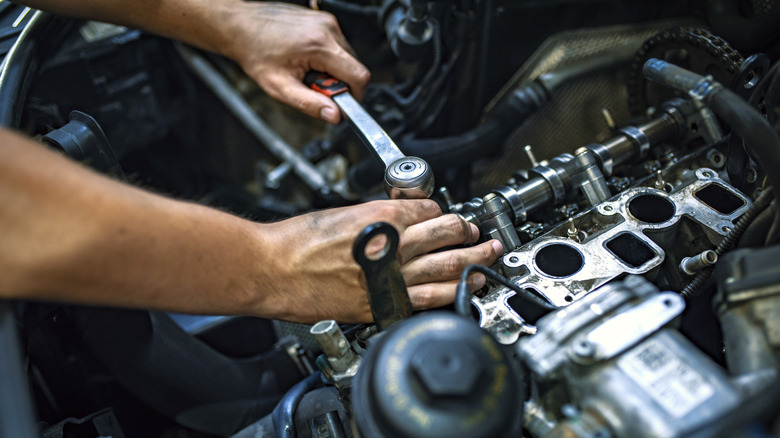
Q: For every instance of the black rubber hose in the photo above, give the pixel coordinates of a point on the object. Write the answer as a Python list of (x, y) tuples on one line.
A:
[(755, 234), (457, 150), (284, 413), (760, 137), (485, 138), (537, 306), (440, 153)]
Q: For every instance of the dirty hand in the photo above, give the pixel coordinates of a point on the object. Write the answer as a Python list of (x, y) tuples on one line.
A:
[(276, 44), (323, 281)]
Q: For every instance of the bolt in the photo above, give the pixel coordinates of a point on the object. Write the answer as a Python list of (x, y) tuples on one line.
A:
[(660, 184), (447, 368), (584, 349), (530, 154), (608, 118), (572, 232), (716, 158)]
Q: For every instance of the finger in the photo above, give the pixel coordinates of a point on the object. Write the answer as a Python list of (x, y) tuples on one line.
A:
[(342, 65), (448, 265), (289, 89), (437, 233), (404, 213), (432, 295)]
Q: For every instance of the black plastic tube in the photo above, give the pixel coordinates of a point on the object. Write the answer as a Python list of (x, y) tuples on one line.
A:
[(284, 413), (536, 304)]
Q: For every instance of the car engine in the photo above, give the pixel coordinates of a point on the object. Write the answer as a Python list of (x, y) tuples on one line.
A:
[(626, 155)]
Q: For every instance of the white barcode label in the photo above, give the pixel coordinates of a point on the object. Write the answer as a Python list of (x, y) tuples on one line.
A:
[(677, 387)]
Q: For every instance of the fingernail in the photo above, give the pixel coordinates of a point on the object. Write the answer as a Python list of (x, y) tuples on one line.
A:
[(498, 248), (478, 281), (474, 232), (328, 114)]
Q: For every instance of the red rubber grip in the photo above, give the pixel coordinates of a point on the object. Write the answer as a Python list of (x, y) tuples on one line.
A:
[(324, 83)]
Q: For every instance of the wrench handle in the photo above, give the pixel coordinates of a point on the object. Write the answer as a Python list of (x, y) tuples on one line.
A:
[(324, 83), (387, 292)]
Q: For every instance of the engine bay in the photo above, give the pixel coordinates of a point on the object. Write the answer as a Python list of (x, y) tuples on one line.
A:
[(624, 153)]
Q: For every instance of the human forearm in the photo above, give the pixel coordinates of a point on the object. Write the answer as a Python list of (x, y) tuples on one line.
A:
[(275, 43), (198, 22), (72, 235)]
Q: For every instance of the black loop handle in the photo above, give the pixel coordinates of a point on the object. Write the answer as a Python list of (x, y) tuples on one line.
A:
[(365, 236), (387, 292)]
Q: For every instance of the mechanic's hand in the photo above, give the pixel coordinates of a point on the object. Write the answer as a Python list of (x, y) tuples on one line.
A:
[(323, 281), (276, 44)]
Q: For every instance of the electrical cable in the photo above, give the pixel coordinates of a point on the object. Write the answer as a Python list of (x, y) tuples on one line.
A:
[(463, 291), (284, 413)]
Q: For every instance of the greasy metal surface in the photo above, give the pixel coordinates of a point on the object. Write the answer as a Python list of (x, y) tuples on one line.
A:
[(386, 287), (608, 221), (547, 352), (632, 325), (616, 352)]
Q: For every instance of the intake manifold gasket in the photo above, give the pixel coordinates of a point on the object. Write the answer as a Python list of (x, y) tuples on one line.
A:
[(563, 270)]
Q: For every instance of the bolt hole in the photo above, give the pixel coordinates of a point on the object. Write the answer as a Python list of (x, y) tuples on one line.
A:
[(377, 247), (568, 298), (668, 302)]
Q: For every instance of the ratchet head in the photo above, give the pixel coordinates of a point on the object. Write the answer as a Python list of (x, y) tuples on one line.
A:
[(409, 178)]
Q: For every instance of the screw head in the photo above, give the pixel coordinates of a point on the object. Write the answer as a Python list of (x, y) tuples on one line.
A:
[(584, 349)]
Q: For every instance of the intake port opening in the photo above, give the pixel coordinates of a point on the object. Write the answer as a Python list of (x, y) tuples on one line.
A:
[(653, 209), (719, 199), (526, 307), (630, 249), (559, 260)]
